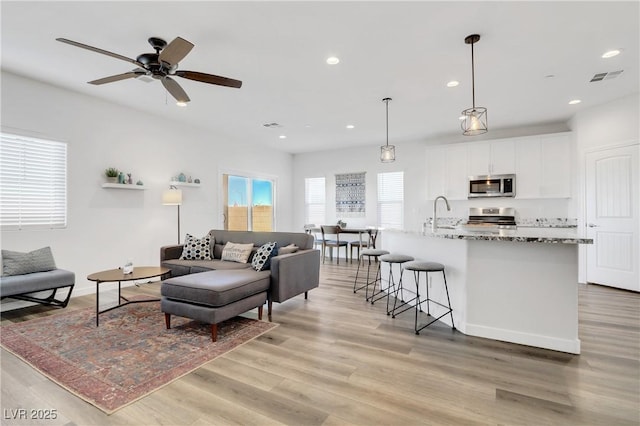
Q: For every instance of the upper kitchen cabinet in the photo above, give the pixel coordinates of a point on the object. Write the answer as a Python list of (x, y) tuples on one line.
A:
[(543, 166), (436, 166), (447, 171), (491, 158)]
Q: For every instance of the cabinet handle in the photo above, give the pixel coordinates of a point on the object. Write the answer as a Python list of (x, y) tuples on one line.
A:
[(592, 225)]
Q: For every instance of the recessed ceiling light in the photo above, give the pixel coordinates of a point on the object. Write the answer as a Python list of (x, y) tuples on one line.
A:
[(611, 53), (453, 83), (332, 60), (181, 104), (282, 136), (350, 126), (574, 101)]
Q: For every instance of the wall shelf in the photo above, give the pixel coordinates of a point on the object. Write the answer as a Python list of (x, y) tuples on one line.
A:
[(123, 186), (176, 183)]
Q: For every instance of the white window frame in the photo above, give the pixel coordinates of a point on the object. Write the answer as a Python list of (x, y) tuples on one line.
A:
[(33, 183), (391, 200), (315, 200)]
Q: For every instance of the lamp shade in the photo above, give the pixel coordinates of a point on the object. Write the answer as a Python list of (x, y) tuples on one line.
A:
[(172, 197)]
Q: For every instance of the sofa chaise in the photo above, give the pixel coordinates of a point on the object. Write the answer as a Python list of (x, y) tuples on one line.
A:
[(213, 290)]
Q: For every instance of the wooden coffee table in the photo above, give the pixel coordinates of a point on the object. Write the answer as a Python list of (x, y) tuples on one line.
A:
[(113, 275)]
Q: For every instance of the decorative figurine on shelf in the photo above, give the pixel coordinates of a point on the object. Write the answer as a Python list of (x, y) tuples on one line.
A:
[(196, 181), (139, 183), (189, 180), (121, 177), (129, 179), (182, 177)]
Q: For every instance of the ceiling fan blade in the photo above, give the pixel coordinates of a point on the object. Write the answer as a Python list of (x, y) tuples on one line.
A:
[(98, 50), (118, 77), (209, 78), (174, 88), (175, 51)]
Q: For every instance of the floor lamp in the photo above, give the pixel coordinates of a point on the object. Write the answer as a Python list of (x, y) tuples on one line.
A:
[(173, 197)]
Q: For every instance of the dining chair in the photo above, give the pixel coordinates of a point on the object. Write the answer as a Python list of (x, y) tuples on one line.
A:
[(370, 243), (312, 229), (331, 239)]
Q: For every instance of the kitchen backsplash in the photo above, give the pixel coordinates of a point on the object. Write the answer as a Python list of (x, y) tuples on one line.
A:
[(548, 222), (538, 222)]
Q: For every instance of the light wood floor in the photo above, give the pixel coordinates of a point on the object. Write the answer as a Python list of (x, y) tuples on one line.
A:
[(335, 359)]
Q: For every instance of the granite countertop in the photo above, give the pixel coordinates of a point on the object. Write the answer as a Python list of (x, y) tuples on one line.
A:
[(522, 235)]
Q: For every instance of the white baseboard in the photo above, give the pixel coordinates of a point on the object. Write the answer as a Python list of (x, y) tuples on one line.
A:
[(571, 346)]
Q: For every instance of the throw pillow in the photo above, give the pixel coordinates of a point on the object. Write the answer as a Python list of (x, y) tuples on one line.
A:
[(235, 252), (291, 248), (262, 259), (18, 263), (196, 248)]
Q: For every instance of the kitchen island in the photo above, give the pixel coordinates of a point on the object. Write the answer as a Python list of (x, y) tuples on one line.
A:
[(518, 286)]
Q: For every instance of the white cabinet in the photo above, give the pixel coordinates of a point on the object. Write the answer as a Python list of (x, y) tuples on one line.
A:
[(447, 172), (543, 166), (491, 158), (435, 171), (456, 179)]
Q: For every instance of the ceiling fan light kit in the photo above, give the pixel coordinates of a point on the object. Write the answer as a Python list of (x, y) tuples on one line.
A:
[(474, 119), (387, 152), (161, 65)]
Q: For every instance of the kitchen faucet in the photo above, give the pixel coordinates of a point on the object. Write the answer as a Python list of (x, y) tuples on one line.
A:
[(434, 224)]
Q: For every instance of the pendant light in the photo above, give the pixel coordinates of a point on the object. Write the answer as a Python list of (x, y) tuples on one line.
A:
[(475, 118), (387, 152)]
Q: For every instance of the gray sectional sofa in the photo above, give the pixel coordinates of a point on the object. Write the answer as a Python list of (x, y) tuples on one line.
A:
[(288, 276)]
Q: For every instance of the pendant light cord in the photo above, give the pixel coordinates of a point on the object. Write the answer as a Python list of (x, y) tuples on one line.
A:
[(473, 79), (387, 119), (386, 101)]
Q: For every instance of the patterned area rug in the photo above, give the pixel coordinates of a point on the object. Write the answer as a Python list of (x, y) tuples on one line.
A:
[(129, 356)]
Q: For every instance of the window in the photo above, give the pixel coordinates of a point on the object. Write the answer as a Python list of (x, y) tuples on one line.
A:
[(314, 201), (248, 203), (33, 183), (391, 200)]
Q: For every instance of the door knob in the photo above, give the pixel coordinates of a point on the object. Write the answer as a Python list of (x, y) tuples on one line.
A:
[(592, 225)]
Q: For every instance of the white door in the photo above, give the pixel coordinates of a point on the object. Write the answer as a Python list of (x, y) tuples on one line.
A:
[(613, 220)]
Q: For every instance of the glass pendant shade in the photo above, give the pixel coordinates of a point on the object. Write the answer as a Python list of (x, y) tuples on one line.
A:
[(475, 121), (388, 153)]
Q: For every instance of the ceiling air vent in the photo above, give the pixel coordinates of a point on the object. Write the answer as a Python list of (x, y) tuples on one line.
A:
[(605, 76), (276, 125)]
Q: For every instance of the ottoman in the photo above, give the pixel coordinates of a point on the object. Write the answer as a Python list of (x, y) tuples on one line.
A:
[(214, 296)]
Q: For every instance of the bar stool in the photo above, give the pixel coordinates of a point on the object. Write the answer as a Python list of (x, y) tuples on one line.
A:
[(427, 267), (391, 259), (370, 253)]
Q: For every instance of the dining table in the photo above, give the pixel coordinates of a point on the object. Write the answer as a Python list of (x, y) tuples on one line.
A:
[(362, 231)]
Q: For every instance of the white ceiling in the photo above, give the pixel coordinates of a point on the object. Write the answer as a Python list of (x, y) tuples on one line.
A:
[(404, 50)]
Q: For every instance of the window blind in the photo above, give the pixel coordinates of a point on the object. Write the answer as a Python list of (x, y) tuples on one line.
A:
[(314, 200), (33, 183), (391, 200)]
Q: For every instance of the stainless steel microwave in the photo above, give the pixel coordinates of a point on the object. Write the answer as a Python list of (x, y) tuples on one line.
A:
[(492, 186)]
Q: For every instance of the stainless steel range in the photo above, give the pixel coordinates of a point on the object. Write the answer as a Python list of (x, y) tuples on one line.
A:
[(491, 218)]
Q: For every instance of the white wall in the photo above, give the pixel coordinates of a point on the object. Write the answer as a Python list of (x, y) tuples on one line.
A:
[(106, 227)]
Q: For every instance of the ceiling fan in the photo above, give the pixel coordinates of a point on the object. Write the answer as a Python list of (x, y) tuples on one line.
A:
[(161, 65)]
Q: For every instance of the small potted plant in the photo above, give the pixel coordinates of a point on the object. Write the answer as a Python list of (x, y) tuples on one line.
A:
[(112, 174)]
